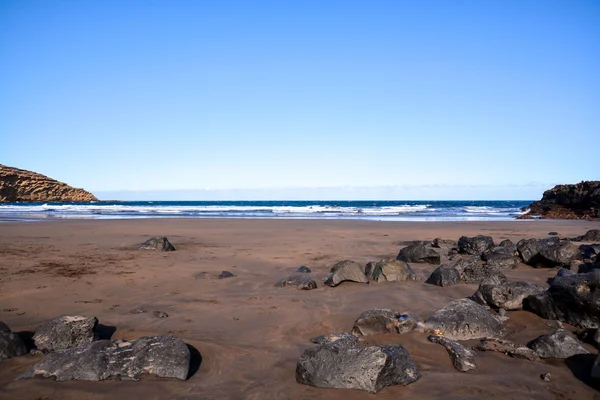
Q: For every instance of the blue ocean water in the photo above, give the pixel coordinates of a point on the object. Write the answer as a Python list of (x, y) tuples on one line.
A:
[(371, 210)]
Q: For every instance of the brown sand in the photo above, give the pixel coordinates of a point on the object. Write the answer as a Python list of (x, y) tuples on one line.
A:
[(250, 333)]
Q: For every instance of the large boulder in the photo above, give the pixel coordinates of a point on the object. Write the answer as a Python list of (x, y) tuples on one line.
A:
[(364, 368), (473, 271), (461, 358), (299, 281), (11, 344), (163, 356), (560, 344), (158, 243), (65, 332), (475, 245), (592, 235), (444, 275), (508, 296), (557, 255), (345, 271), (418, 253), (378, 321), (575, 201), (573, 299), (390, 270), (464, 319), (529, 248)]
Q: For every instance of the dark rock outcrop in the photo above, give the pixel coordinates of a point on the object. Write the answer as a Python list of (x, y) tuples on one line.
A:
[(363, 368), (444, 275), (560, 344), (475, 245), (21, 185), (65, 333), (157, 243), (579, 201), (390, 270), (508, 296), (11, 344), (345, 271), (418, 253), (461, 358), (163, 356), (298, 280)]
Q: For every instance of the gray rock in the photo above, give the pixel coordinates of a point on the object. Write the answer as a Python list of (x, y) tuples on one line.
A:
[(340, 339), (508, 296), (367, 368), (157, 243), (444, 275), (345, 271), (225, 275), (558, 255), (461, 358), (303, 269), (163, 356), (530, 248), (475, 245), (472, 271), (560, 344), (592, 235), (11, 344), (298, 280), (65, 332), (418, 253), (507, 347), (390, 270), (439, 243), (464, 319), (378, 321), (501, 261)]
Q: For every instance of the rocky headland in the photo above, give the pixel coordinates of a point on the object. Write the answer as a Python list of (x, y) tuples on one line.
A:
[(579, 201), (22, 185)]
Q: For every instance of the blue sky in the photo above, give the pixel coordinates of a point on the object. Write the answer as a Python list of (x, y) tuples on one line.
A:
[(271, 99)]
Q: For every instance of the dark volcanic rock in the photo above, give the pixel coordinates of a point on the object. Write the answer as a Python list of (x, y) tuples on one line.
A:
[(298, 280), (560, 344), (472, 271), (390, 270), (530, 248), (378, 321), (552, 233), (577, 201), (345, 271), (11, 344), (506, 347), (163, 356), (418, 253), (65, 332), (225, 275), (508, 296), (475, 245), (367, 368), (461, 358), (500, 260), (573, 299), (157, 243), (592, 235), (558, 255), (303, 269), (340, 339), (464, 319), (444, 275)]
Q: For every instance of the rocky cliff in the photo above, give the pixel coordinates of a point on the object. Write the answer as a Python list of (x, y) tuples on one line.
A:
[(21, 185), (580, 201)]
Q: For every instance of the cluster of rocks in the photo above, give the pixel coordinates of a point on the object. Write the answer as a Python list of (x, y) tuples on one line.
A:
[(579, 201), (74, 348)]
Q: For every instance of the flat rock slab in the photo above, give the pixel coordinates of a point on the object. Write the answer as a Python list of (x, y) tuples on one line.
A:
[(461, 357), (560, 344), (363, 368), (390, 271), (163, 356), (159, 243), (298, 280), (507, 347), (65, 332), (346, 271)]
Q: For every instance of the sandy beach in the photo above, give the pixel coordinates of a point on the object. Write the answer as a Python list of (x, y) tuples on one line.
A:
[(250, 333)]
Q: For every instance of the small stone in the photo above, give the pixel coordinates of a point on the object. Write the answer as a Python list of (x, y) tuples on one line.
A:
[(157, 243), (160, 314), (225, 274), (546, 377)]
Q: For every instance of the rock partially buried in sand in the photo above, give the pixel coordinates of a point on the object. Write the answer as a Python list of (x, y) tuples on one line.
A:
[(560, 344), (345, 271), (508, 296), (225, 275), (11, 344), (157, 243), (444, 275), (475, 245), (418, 253), (340, 339), (461, 358), (303, 269), (507, 347), (390, 270), (298, 280), (163, 356), (383, 320), (362, 368), (464, 319), (65, 332)]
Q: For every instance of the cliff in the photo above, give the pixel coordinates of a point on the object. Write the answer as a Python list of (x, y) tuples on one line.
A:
[(21, 185), (580, 201)]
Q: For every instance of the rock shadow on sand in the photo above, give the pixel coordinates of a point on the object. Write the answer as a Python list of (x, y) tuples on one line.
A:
[(195, 360), (581, 367)]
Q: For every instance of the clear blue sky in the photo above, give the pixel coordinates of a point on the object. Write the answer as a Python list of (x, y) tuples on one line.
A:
[(427, 99)]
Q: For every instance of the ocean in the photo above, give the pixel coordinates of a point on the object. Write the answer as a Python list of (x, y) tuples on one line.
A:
[(469, 210)]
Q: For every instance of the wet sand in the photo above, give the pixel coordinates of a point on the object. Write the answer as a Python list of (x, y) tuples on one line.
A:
[(250, 333)]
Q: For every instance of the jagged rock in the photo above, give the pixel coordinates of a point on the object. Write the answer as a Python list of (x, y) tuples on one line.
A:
[(475, 245), (418, 253), (508, 296), (390, 270), (298, 280), (340, 339), (529, 248), (571, 299), (163, 356), (500, 260), (463, 319), (558, 255), (507, 347), (65, 332), (21, 185), (157, 243), (378, 321), (367, 368), (560, 344), (225, 275), (461, 358), (577, 201), (345, 271), (472, 271), (593, 235), (11, 344), (303, 269), (439, 243), (444, 275)]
